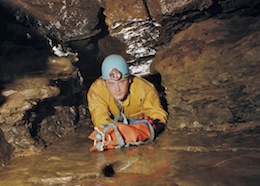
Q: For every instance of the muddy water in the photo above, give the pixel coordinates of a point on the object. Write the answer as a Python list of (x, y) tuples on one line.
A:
[(174, 158)]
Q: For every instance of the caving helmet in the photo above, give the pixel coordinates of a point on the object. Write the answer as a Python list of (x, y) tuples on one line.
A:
[(114, 67)]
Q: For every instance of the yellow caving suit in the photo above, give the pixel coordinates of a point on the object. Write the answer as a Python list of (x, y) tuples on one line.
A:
[(143, 99)]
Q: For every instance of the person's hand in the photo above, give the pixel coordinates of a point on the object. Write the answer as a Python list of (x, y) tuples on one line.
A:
[(148, 118), (159, 127)]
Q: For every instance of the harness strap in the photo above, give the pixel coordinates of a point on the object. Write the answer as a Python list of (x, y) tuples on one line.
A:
[(125, 121), (152, 133), (120, 139), (100, 145), (121, 143)]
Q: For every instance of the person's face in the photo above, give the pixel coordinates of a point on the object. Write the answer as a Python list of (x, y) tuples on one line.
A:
[(118, 89)]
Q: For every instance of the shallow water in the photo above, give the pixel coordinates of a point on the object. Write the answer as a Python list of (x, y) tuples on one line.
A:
[(174, 158)]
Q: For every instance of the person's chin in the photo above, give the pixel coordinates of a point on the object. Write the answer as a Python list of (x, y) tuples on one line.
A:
[(118, 97)]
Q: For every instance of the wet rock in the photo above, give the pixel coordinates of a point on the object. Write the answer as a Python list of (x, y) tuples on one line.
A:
[(61, 20), (171, 159), (207, 74), (129, 22), (139, 24), (20, 139), (6, 149), (54, 122), (22, 96), (158, 9), (60, 66), (42, 105)]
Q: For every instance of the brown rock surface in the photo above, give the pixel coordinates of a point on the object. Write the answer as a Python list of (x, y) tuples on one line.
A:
[(211, 71), (39, 103), (61, 20)]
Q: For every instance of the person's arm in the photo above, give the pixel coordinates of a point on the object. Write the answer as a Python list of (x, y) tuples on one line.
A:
[(98, 106), (152, 107)]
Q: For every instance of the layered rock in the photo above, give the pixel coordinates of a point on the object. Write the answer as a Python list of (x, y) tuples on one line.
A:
[(140, 24), (39, 104), (211, 71), (61, 20), (42, 95)]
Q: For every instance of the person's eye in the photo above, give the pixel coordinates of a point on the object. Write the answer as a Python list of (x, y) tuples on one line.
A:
[(110, 83), (121, 82)]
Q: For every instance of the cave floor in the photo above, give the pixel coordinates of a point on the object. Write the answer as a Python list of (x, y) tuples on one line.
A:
[(187, 157)]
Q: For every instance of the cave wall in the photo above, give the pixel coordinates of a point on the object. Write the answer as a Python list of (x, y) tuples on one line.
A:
[(212, 78), (206, 53), (42, 95)]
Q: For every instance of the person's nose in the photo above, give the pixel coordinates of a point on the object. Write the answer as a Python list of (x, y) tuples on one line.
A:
[(117, 87)]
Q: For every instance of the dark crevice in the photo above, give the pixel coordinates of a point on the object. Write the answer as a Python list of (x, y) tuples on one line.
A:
[(147, 10)]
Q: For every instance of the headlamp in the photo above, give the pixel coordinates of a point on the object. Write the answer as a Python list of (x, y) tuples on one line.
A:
[(115, 74)]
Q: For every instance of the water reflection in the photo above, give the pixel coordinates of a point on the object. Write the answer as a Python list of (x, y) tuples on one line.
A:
[(167, 161)]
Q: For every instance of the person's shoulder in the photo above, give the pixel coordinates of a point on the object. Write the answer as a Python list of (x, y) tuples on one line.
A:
[(142, 82), (97, 84), (141, 86)]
